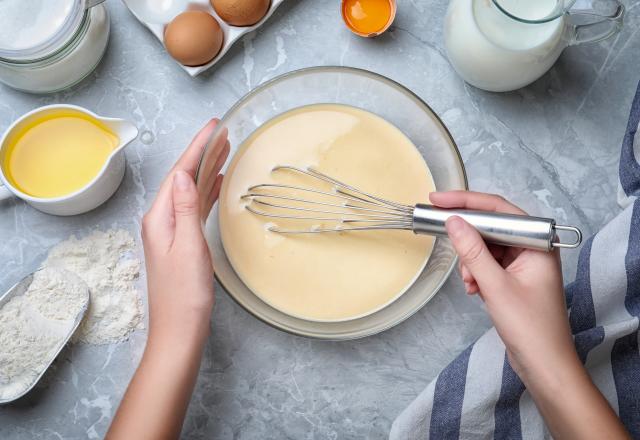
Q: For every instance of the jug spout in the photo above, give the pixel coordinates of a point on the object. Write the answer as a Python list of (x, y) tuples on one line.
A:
[(125, 130)]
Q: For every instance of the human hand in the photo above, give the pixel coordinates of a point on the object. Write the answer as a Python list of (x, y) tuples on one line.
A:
[(522, 290), (178, 262), (180, 285), (523, 293)]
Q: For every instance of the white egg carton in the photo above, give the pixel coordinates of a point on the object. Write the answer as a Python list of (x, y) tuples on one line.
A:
[(156, 21)]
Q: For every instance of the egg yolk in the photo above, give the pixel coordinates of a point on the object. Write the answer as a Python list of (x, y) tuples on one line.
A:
[(367, 16)]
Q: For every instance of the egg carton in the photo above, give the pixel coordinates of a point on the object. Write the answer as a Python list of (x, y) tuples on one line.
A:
[(157, 20)]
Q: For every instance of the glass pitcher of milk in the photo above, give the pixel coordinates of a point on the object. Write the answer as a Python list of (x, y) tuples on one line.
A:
[(502, 45)]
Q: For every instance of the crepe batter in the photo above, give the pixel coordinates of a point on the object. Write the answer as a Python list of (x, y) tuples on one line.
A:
[(332, 276)]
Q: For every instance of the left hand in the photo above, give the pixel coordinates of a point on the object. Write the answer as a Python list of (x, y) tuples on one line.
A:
[(178, 262), (180, 285)]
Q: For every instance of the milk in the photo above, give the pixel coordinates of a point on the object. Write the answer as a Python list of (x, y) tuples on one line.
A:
[(495, 52), (53, 70), (28, 23)]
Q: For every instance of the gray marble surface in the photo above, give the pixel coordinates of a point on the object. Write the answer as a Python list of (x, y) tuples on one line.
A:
[(551, 147)]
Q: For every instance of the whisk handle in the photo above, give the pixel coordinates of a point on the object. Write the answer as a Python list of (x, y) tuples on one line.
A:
[(498, 228)]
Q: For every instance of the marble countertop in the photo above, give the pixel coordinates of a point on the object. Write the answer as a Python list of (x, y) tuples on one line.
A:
[(551, 147)]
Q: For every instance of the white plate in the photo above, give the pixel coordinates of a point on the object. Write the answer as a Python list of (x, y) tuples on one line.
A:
[(157, 19)]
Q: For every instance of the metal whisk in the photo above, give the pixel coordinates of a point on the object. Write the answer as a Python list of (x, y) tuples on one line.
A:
[(349, 209)]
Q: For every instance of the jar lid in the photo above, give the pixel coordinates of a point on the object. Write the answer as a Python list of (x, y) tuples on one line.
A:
[(33, 29)]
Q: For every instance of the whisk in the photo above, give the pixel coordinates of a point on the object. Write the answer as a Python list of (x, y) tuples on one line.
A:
[(348, 209)]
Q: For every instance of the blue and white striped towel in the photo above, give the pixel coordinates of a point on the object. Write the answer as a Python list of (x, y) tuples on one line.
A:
[(479, 396)]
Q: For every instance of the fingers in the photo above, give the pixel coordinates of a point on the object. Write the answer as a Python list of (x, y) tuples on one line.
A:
[(470, 284), (474, 200), (186, 206), (213, 180), (160, 222), (474, 254), (158, 228), (472, 288), (498, 253), (223, 157), (211, 174), (484, 202), (187, 162), (212, 162), (213, 196), (191, 157)]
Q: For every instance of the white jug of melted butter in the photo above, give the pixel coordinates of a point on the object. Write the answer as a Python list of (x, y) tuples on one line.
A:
[(502, 45), (58, 153), (63, 159)]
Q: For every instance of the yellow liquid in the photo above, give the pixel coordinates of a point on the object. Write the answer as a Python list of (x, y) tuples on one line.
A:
[(326, 277), (57, 154)]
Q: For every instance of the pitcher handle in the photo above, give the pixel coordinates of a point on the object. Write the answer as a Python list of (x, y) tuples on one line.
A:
[(4, 192), (605, 25), (91, 3)]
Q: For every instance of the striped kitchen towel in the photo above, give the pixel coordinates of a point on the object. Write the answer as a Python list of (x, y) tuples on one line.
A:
[(479, 396)]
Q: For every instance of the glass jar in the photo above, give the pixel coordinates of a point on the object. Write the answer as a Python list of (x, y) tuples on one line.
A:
[(49, 46), (502, 45)]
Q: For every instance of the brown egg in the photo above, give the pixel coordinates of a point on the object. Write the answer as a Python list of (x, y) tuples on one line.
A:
[(193, 38), (241, 12)]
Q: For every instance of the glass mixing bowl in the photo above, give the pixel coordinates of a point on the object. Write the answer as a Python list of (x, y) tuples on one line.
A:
[(371, 92)]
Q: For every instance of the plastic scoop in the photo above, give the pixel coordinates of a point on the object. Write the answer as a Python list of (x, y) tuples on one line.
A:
[(63, 330)]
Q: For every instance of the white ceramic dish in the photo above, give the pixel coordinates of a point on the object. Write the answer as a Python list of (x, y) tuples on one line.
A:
[(157, 17), (357, 88), (96, 192)]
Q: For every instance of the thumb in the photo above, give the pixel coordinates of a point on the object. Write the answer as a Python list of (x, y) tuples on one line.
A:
[(186, 205), (474, 254)]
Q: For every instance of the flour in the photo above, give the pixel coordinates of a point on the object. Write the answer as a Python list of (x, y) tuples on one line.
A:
[(106, 262), (57, 294), (35, 325)]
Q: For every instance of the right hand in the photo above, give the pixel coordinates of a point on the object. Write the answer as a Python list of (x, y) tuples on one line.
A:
[(522, 289), (523, 292)]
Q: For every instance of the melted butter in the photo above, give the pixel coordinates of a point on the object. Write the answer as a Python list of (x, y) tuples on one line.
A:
[(57, 154), (326, 277)]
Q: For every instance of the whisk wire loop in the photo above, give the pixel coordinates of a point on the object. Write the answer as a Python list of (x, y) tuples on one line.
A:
[(364, 217), (360, 211), (318, 175)]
